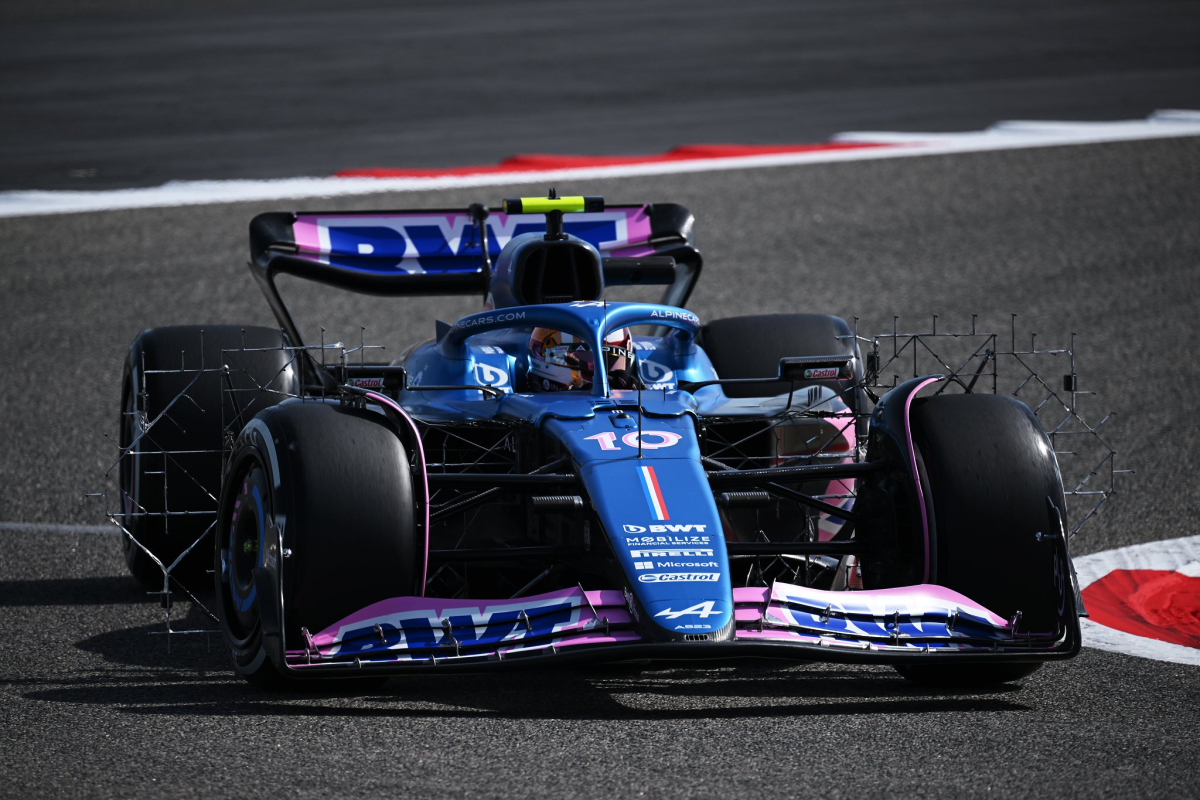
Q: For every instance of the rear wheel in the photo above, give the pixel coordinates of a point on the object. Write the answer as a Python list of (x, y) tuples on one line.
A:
[(750, 347), (993, 485), (175, 416), (335, 485)]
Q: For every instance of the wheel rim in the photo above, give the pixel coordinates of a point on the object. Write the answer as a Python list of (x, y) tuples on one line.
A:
[(242, 550)]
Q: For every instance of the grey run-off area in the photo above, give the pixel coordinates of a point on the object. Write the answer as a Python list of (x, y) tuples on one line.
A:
[(137, 93), (1098, 240)]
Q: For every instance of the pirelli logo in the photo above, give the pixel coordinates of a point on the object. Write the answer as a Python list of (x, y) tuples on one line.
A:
[(672, 553)]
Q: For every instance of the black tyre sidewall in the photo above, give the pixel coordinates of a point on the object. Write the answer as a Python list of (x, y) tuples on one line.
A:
[(344, 506), (989, 471)]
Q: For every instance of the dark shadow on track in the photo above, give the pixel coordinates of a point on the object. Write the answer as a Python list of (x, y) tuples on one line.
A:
[(117, 590), (192, 680)]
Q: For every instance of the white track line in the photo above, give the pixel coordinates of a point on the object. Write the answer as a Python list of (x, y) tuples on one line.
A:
[(1001, 136), (47, 527)]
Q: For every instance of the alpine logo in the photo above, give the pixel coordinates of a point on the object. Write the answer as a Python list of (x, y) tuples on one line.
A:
[(702, 610), (680, 577), (686, 316), (689, 528)]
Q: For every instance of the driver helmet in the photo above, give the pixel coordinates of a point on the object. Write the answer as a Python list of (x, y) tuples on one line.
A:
[(560, 361)]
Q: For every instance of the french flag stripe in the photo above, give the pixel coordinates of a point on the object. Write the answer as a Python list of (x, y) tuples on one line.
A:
[(654, 493)]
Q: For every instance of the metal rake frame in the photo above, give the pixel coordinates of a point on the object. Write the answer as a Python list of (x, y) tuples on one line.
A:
[(965, 358), (240, 399), (1076, 442)]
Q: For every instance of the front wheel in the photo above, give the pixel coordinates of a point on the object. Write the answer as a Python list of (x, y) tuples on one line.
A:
[(317, 522), (995, 499), (240, 553)]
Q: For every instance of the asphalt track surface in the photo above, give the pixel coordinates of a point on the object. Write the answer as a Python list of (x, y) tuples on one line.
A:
[(1101, 240), (136, 93)]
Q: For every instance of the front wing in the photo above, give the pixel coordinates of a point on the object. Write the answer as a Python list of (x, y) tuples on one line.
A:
[(903, 625)]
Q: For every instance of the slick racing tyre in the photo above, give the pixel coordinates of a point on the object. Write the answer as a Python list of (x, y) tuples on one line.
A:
[(334, 485), (993, 485), (750, 347), (174, 413)]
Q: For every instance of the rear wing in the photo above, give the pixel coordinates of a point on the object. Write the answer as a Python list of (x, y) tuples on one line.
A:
[(442, 252)]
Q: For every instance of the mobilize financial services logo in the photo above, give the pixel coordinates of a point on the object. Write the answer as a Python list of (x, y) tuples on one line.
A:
[(667, 541)]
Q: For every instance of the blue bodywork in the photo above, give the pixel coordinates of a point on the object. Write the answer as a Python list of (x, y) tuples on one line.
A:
[(665, 534)]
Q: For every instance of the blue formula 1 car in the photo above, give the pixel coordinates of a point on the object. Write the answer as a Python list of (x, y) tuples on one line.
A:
[(561, 477)]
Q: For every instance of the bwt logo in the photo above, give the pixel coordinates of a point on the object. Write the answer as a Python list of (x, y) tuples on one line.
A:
[(412, 237), (669, 528), (488, 375), (656, 376), (497, 624)]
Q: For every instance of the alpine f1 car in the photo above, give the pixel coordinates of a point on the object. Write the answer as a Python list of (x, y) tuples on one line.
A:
[(560, 477)]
